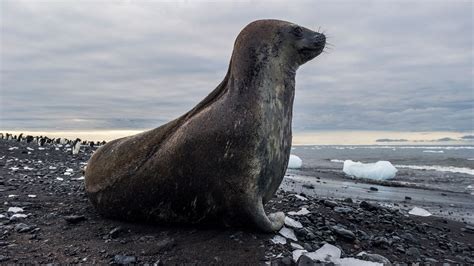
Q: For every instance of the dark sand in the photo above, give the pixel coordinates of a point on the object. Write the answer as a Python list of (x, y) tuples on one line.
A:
[(48, 233)]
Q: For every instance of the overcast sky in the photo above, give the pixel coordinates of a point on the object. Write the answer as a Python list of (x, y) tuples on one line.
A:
[(396, 65)]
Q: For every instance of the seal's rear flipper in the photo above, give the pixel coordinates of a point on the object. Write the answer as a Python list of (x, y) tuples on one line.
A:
[(271, 223)]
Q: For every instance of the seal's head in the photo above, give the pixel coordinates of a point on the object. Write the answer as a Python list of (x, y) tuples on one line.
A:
[(284, 42)]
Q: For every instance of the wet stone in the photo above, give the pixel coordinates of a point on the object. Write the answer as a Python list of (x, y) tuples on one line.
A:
[(344, 233), (74, 219)]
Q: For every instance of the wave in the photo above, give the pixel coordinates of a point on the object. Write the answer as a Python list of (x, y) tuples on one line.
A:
[(452, 169), (439, 168), (431, 151), (401, 147)]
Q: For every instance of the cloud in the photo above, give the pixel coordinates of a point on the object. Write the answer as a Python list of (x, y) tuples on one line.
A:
[(404, 65)]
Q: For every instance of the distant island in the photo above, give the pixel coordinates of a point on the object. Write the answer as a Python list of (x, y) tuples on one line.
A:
[(391, 140)]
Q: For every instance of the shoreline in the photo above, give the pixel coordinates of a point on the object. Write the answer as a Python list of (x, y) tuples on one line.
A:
[(58, 224)]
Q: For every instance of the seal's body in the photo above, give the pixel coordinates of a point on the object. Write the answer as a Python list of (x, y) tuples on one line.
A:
[(226, 157)]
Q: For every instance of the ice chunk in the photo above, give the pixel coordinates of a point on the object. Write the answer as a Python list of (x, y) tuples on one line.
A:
[(295, 162), (292, 223), (297, 254), (303, 211), (300, 197), (288, 233), (296, 246), (80, 178), (419, 212), (12, 196), (279, 240), (59, 178), (15, 209), (356, 262), (327, 253), (31, 196), (18, 216), (379, 170)]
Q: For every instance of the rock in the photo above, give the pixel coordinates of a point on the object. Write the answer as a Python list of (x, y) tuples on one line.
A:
[(344, 233), (309, 186), (373, 189), (286, 261), (343, 209), (409, 237), (348, 200), (368, 206), (407, 198), (413, 252), (304, 260), (330, 203), (122, 259), (380, 241), (114, 233), (23, 228), (308, 247), (3, 258), (373, 257), (74, 219), (468, 229)]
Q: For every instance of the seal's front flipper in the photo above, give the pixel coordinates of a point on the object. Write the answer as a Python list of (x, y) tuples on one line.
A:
[(271, 223)]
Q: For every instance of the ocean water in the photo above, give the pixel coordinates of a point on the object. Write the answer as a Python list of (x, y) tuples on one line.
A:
[(449, 168)]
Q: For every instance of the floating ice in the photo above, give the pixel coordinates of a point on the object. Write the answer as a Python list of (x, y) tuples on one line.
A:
[(12, 196), (31, 196), (41, 148), (278, 240), (419, 212), (12, 148), (30, 149), (69, 170), (15, 209), (59, 178), (303, 211), (295, 162), (14, 168), (80, 178), (52, 168), (288, 233), (27, 168), (379, 170), (292, 223)]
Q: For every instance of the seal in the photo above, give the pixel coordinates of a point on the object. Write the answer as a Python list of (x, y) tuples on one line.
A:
[(225, 158)]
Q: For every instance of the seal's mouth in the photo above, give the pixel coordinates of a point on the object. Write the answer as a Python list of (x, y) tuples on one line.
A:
[(313, 46)]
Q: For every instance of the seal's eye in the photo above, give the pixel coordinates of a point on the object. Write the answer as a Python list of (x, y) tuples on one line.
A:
[(298, 32)]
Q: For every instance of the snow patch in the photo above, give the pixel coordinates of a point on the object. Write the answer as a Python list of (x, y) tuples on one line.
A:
[(380, 170)]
